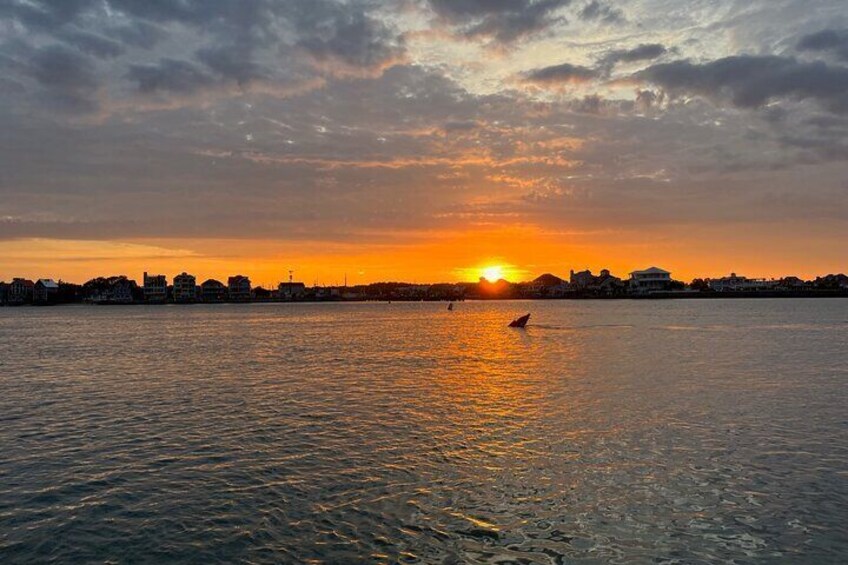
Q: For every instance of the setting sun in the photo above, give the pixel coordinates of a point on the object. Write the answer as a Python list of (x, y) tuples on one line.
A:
[(493, 274)]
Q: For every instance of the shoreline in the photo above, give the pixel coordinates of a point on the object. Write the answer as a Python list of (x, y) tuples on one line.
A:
[(636, 297)]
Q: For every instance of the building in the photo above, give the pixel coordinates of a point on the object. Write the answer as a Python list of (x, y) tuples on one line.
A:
[(45, 291), (20, 291), (291, 291), (603, 284), (4, 289), (832, 282), (239, 288), (120, 291), (155, 289), (582, 279), (185, 288), (543, 286), (738, 283), (213, 291), (650, 280)]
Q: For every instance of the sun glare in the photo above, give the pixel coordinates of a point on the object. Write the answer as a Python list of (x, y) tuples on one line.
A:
[(493, 274)]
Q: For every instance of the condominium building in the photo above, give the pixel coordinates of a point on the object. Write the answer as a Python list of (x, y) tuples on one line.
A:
[(239, 288), (185, 288), (155, 288)]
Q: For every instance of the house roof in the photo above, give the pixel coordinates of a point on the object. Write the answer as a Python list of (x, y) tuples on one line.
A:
[(651, 271), (48, 283), (548, 280)]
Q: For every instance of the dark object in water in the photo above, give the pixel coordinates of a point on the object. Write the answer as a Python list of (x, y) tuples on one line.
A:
[(450, 307), (520, 322)]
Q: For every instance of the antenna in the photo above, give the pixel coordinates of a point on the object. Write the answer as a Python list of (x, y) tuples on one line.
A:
[(291, 276)]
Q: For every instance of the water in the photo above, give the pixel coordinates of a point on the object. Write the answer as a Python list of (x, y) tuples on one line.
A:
[(614, 431)]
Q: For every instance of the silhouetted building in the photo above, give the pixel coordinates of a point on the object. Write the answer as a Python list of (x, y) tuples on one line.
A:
[(582, 280), (185, 288), (20, 292), (45, 291), (603, 284), (738, 283), (291, 291), (213, 291), (155, 289), (651, 279), (239, 288), (832, 282), (4, 290), (793, 283)]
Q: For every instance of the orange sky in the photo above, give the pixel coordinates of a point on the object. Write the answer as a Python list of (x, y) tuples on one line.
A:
[(522, 251)]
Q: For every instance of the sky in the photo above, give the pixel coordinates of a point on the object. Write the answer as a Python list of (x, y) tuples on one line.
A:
[(422, 140)]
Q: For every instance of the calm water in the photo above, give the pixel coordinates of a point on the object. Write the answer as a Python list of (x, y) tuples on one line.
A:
[(689, 431)]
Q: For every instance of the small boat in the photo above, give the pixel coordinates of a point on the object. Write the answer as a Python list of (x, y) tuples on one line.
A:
[(450, 307), (520, 322)]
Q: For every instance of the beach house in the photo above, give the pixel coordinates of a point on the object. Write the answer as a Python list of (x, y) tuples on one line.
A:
[(649, 280)]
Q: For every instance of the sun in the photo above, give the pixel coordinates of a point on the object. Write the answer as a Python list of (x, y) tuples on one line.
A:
[(493, 273)]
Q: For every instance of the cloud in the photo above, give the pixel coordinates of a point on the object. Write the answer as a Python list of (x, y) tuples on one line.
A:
[(643, 52), (595, 11), (69, 78), (750, 81), (503, 21), (562, 74), (169, 75), (353, 40), (233, 63), (93, 44), (829, 40)]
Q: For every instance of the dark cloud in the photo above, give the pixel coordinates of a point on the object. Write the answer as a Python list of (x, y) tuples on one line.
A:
[(565, 73), (169, 75), (751, 81), (233, 63), (460, 126), (829, 40), (595, 11), (138, 33), (503, 21), (69, 78), (353, 39), (93, 44), (241, 41), (643, 52)]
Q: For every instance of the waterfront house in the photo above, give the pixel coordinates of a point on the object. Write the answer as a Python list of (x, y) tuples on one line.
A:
[(4, 289), (239, 288), (110, 290), (581, 280), (546, 285), (738, 283), (792, 283), (291, 291), (155, 289), (185, 288), (45, 291), (213, 291), (605, 283), (20, 292), (649, 280), (832, 282), (120, 290)]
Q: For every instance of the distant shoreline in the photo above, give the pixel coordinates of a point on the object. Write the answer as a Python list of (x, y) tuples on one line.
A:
[(651, 296)]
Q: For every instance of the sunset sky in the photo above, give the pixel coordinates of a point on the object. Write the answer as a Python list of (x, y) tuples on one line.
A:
[(422, 140)]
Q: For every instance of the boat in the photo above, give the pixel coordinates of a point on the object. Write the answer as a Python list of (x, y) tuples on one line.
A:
[(520, 322)]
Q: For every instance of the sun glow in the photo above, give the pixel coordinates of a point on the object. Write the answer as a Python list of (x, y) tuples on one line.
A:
[(493, 273)]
